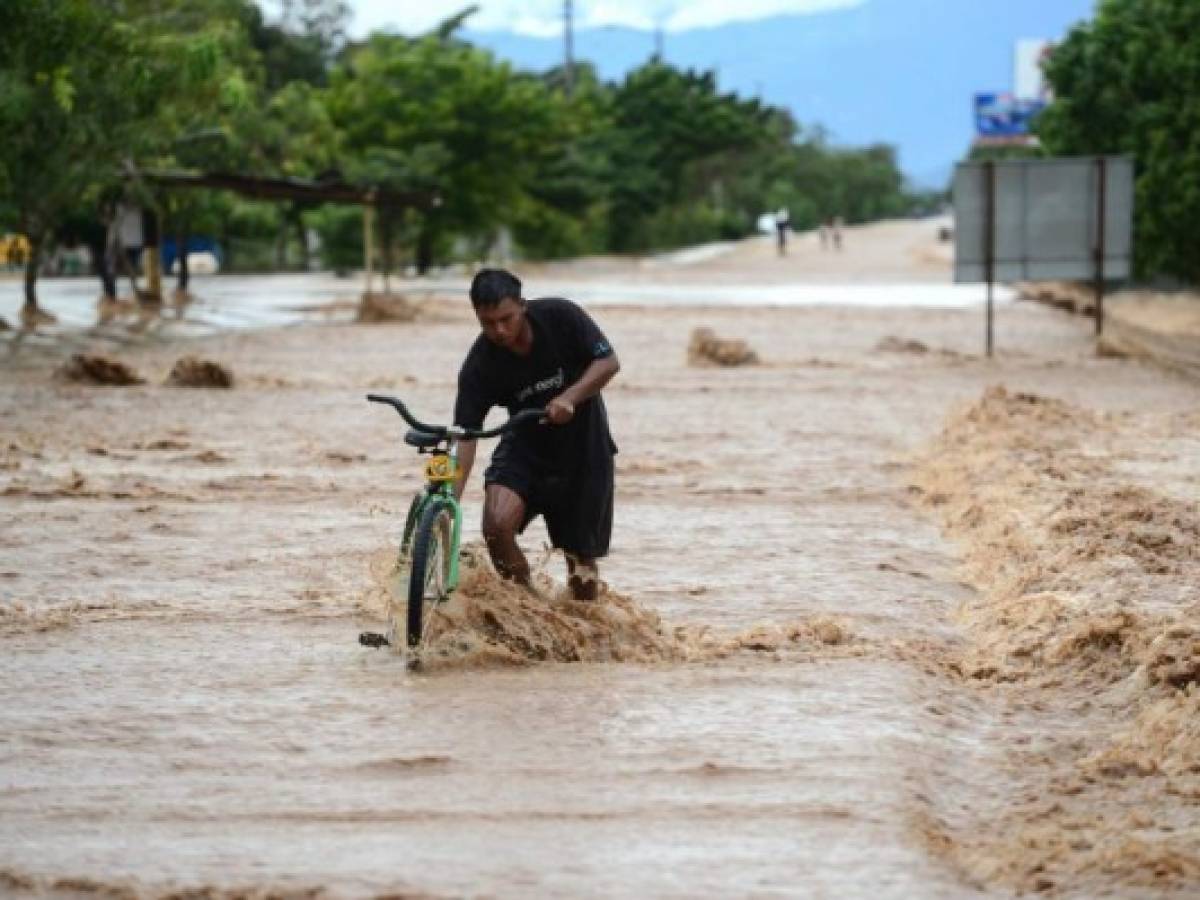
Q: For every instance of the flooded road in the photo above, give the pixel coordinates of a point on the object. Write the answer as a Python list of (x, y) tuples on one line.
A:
[(183, 574), (275, 756)]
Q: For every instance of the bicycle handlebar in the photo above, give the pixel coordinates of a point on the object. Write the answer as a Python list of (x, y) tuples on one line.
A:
[(445, 431)]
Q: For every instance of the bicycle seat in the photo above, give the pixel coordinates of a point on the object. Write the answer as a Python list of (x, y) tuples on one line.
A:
[(421, 439)]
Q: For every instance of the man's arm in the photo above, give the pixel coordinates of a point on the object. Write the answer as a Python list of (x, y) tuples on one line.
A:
[(600, 372), (466, 460)]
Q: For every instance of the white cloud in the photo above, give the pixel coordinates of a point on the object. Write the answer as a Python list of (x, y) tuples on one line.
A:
[(544, 17)]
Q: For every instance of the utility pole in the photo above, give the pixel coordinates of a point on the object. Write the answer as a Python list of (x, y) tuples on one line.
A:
[(568, 48)]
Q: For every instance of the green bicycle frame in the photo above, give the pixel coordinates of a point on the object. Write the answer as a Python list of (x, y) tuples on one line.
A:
[(443, 492), (441, 473)]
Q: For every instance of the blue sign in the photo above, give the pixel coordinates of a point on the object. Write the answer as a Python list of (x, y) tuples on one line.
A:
[(1004, 115)]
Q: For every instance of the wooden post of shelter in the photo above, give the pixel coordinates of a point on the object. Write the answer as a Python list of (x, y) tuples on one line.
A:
[(152, 252), (1101, 203), (368, 235), (296, 189), (989, 243)]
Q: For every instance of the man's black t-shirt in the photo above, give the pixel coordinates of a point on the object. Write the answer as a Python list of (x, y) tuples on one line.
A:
[(565, 342)]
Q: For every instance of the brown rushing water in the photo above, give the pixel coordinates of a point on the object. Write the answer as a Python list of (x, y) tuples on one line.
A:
[(183, 704)]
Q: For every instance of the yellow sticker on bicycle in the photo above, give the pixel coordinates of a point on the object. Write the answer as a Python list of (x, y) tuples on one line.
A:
[(440, 468)]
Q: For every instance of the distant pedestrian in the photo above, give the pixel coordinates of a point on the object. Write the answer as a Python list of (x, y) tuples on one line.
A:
[(837, 233), (823, 234), (782, 221)]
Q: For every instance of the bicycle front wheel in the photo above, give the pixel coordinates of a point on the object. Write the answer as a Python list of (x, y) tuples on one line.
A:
[(398, 578), (429, 577)]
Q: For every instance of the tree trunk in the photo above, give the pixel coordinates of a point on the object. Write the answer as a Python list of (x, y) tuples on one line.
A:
[(31, 310), (385, 246), (424, 248), (181, 258), (298, 224), (124, 263), (281, 246), (110, 264), (99, 247), (226, 251)]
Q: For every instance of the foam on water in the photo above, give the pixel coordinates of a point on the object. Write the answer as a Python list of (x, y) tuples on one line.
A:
[(490, 622)]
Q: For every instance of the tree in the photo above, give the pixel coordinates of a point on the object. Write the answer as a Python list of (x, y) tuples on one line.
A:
[(295, 137), (564, 210), (78, 88), (1129, 82), (436, 114), (201, 126), (667, 121)]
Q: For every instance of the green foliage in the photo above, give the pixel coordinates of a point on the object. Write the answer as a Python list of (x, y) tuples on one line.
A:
[(55, 109), (79, 91), (201, 124), (661, 158), (1129, 82), (564, 207), (341, 231), (437, 115), (671, 129), (983, 152)]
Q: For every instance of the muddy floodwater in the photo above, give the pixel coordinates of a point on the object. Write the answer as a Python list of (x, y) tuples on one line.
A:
[(871, 628)]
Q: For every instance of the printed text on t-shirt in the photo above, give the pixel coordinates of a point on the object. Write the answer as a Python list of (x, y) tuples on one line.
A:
[(553, 382)]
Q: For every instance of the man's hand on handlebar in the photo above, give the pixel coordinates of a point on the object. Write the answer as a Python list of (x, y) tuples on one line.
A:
[(560, 411)]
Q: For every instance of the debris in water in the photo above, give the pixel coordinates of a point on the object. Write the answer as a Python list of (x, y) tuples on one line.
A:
[(490, 622), (32, 318), (706, 349), (91, 369), (893, 344), (191, 371), (387, 308), (109, 308)]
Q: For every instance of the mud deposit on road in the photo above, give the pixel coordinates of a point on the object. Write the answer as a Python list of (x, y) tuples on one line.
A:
[(797, 683), (1085, 627)]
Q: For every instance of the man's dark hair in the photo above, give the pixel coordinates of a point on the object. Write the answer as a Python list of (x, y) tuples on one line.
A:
[(490, 286)]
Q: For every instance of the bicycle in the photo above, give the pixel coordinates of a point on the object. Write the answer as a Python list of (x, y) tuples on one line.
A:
[(429, 547)]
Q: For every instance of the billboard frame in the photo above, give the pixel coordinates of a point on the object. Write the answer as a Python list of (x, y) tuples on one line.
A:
[(1088, 252)]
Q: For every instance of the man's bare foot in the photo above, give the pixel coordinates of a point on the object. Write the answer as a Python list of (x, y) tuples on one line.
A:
[(583, 578)]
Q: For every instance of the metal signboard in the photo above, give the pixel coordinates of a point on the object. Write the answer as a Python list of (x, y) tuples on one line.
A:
[(1004, 115), (1044, 219)]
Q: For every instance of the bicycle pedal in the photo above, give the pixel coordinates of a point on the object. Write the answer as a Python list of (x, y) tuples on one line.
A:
[(373, 639)]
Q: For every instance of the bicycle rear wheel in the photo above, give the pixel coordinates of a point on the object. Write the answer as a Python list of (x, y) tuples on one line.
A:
[(429, 577)]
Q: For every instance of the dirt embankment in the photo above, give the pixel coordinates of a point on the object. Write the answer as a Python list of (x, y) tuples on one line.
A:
[(1162, 328), (1085, 623)]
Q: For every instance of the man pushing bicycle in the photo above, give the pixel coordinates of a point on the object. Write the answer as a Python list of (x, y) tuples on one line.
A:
[(533, 354)]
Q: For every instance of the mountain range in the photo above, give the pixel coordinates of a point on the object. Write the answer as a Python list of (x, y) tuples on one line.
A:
[(901, 72)]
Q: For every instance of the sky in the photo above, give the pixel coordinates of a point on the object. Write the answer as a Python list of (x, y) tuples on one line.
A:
[(902, 72), (543, 18)]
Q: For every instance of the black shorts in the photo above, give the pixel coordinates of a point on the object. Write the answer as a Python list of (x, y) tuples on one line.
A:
[(577, 504)]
